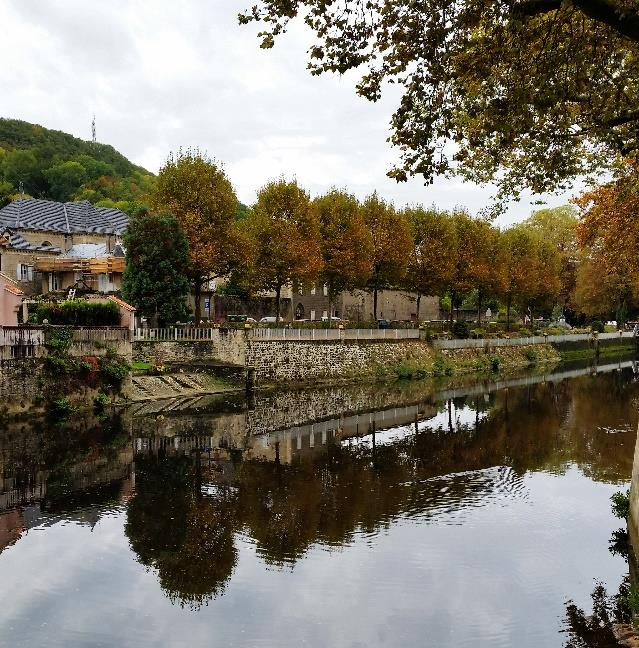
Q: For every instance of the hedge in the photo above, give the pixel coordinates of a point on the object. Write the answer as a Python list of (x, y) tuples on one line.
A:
[(79, 312)]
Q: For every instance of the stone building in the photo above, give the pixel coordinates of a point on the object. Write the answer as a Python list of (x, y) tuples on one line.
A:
[(50, 246), (311, 303), (10, 301)]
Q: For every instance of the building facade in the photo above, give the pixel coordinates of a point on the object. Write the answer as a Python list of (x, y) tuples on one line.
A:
[(50, 246)]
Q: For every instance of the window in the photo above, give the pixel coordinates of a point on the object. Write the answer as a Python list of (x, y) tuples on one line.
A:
[(46, 244), (312, 315), (54, 281), (313, 290), (25, 272), (325, 290), (325, 314), (300, 289)]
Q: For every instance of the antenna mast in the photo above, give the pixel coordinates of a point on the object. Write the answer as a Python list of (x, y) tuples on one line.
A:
[(93, 129)]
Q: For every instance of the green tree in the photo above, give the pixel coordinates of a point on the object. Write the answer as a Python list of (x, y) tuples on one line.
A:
[(155, 277), (22, 167), (531, 92), (65, 179), (345, 243), (391, 245), (284, 230), (197, 190)]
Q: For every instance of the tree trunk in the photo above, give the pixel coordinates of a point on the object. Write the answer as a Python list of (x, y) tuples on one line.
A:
[(330, 302), (375, 301), (278, 292), (479, 308), (419, 300), (452, 305), (197, 291), (532, 321), (508, 300)]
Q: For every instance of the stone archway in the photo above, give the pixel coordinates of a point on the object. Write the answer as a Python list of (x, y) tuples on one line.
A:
[(299, 311)]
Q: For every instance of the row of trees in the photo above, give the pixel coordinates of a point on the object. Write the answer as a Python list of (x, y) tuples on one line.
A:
[(288, 238)]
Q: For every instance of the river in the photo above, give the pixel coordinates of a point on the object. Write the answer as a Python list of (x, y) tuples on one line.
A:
[(414, 514)]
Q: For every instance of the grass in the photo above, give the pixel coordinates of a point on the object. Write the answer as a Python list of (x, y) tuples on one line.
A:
[(588, 353), (140, 365)]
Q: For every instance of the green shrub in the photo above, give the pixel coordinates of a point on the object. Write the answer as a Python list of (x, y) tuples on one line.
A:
[(597, 326), (441, 367), (58, 366), (114, 371), (404, 371), (461, 330), (59, 338), (478, 334), (79, 312), (531, 355), (630, 601), (60, 408), (100, 402), (495, 363), (621, 504), (525, 332)]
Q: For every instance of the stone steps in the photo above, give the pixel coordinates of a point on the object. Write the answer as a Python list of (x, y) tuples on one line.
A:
[(183, 385)]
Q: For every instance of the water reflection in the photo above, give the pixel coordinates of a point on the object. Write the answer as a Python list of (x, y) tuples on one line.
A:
[(453, 487)]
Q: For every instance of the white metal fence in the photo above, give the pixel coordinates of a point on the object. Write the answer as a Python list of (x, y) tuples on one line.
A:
[(174, 333), (310, 334), (274, 334), (537, 339)]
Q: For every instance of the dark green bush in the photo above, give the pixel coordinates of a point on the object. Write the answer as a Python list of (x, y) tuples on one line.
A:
[(621, 504), (79, 312), (100, 402), (114, 371), (531, 355), (597, 326), (461, 330), (495, 363), (525, 332)]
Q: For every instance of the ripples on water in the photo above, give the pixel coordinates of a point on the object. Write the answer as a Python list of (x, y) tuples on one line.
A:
[(362, 516)]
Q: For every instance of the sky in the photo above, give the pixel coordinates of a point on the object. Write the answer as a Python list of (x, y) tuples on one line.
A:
[(161, 74)]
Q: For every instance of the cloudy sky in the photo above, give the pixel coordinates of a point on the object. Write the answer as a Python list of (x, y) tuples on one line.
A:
[(161, 74)]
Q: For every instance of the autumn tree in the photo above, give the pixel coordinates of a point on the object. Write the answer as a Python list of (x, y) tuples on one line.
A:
[(530, 92), (284, 230), (431, 262), (391, 245), (197, 190), (528, 269), (608, 235), (155, 277), (345, 243)]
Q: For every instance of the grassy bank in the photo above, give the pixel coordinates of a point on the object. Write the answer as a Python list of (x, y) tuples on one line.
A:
[(465, 361), (589, 353)]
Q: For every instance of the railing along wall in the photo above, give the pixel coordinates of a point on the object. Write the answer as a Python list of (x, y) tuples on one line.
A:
[(489, 343), (274, 334)]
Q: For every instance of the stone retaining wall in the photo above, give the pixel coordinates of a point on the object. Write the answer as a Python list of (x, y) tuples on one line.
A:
[(228, 347), (307, 361)]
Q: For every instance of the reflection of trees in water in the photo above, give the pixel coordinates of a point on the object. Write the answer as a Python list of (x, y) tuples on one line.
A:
[(331, 495), (185, 535), (594, 629)]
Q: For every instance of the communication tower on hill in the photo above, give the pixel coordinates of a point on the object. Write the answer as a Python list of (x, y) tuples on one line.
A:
[(94, 140)]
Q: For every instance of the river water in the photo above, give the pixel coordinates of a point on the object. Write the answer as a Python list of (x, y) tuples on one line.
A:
[(418, 514)]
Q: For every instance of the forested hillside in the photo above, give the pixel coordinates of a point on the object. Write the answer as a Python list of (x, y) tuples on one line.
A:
[(55, 165)]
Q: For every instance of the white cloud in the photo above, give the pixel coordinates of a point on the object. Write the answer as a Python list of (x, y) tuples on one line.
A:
[(160, 75)]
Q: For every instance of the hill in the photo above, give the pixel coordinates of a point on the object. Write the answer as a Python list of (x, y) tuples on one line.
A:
[(55, 165)]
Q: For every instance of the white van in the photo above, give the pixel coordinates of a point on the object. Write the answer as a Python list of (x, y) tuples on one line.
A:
[(268, 320)]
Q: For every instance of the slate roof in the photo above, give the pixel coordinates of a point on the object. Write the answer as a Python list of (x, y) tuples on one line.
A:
[(67, 218), (13, 240), (87, 251)]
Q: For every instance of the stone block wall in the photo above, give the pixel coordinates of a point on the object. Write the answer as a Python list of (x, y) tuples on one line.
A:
[(306, 361), (227, 346)]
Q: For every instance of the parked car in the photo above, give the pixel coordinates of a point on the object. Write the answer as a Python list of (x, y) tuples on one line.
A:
[(333, 319), (268, 320), (383, 323)]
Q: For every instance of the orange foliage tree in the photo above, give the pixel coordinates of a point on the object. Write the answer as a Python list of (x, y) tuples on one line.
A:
[(284, 230), (345, 243), (198, 192), (431, 263), (391, 244)]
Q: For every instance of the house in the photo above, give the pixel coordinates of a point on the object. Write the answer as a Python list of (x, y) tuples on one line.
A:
[(51, 246), (10, 301)]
